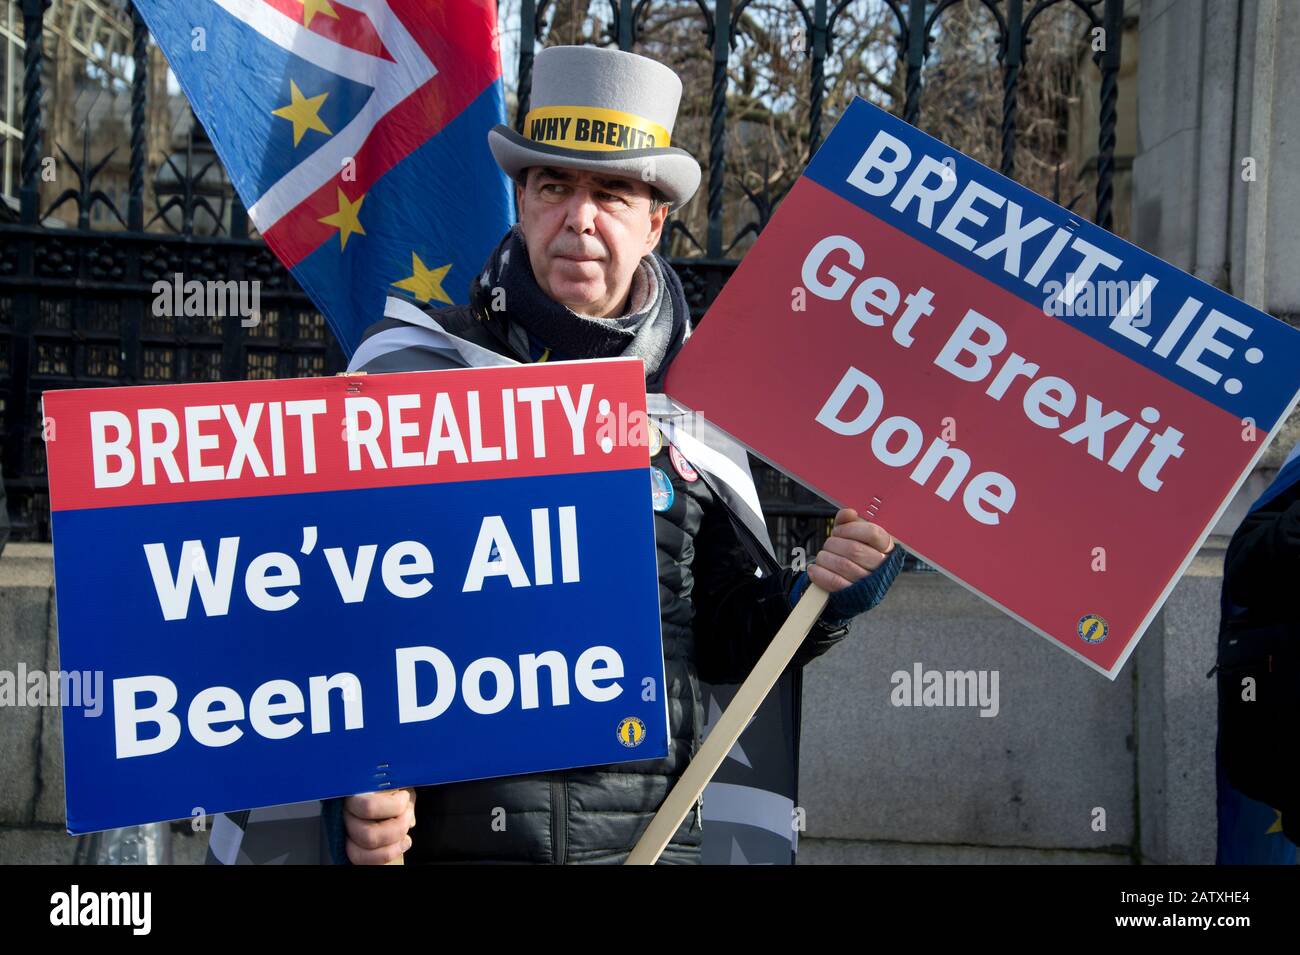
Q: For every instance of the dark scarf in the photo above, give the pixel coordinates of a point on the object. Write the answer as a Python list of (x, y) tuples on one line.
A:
[(654, 330)]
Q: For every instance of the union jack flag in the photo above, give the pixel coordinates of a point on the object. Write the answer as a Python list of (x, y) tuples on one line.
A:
[(355, 134)]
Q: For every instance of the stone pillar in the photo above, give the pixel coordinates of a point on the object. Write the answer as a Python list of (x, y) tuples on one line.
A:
[(1215, 193)]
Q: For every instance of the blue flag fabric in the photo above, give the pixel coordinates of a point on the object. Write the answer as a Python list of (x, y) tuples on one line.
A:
[(1250, 833), (356, 135)]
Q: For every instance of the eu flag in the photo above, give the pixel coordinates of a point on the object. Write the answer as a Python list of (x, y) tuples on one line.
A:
[(355, 134)]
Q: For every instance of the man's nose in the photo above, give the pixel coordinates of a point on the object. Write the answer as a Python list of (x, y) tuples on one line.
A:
[(581, 212)]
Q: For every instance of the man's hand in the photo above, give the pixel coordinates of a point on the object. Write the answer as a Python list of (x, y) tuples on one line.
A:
[(855, 548), (376, 825)]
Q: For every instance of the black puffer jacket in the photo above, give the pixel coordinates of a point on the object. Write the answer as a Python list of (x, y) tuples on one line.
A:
[(1259, 639), (717, 619)]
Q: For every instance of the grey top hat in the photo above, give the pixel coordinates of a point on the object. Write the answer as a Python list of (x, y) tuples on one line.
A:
[(605, 111)]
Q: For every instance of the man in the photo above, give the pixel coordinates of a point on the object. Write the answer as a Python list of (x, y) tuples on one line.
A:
[(578, 278), (1258, 670)]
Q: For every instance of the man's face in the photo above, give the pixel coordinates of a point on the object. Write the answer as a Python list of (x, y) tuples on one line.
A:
[(585, 234)]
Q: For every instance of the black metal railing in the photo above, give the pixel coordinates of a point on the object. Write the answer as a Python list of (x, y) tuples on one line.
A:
[(75, 302)]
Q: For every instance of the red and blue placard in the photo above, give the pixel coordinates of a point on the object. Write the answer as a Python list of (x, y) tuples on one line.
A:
[(311, 588), (1043, 411)]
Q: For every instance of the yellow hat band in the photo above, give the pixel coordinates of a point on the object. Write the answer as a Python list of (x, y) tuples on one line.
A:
[(594, 128)]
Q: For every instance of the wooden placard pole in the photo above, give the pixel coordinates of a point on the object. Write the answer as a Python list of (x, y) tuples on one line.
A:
[(729, 727)]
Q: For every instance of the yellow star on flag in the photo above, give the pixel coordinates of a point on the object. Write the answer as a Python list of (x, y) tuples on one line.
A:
[(1277, 824), (303, 112), (312, 7), (425, 283), (345, 220)]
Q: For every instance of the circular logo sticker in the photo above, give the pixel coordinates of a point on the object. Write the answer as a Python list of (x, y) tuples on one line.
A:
[(1092, 628), (656, 439), (631, 732), (682, 466), (661, 489)]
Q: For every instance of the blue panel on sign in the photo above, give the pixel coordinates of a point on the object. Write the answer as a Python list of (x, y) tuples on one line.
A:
[(345, 664), (1196, 335)]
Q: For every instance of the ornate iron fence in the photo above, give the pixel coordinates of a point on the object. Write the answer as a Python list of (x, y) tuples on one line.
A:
[(75, 302)]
